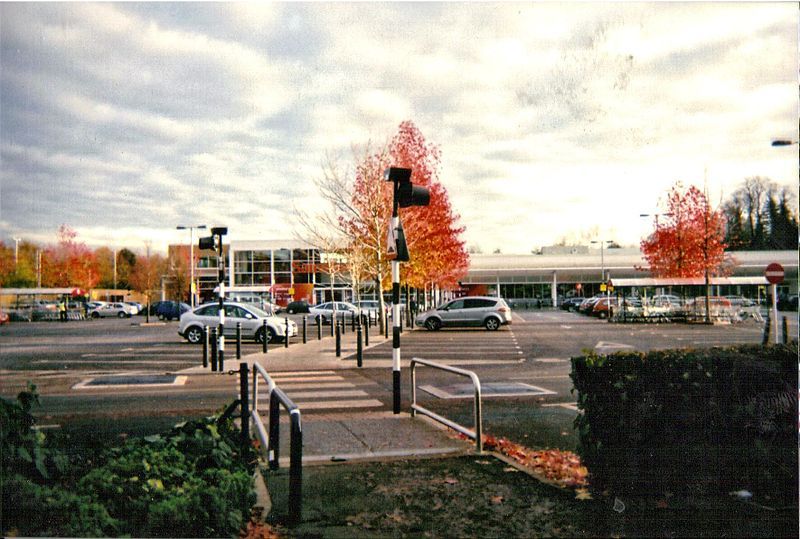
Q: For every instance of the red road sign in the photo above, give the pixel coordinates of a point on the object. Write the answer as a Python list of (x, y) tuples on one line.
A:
[(774, 273)]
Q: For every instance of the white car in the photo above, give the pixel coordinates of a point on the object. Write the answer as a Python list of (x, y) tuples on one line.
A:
[(251, 317), (120, 310), (324, 311)]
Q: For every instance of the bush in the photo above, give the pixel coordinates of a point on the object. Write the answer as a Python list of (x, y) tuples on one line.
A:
[(190, 482), (706, 421)]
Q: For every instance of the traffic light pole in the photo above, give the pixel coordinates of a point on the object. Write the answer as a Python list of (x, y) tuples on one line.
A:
[(221, 347), (395, 324)]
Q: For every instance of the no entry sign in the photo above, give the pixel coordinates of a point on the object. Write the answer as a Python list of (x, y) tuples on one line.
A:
[(774, 273)]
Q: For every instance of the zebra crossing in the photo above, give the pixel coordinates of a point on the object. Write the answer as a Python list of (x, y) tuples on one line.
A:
[(322, 390)]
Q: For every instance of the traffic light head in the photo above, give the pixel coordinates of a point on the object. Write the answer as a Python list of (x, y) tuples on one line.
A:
[(207, 243), (409, 194), (406, 192)]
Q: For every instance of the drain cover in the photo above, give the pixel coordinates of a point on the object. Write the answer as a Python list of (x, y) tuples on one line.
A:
[(489, 389), (132, 380)]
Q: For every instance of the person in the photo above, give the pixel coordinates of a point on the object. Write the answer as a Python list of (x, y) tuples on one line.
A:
[(62, 309)]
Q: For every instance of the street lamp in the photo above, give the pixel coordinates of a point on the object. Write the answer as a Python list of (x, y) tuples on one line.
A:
[(16, 251), (603, 271), (191, 259)]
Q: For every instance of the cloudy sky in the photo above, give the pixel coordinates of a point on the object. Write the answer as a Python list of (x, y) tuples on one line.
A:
[(124, 120)]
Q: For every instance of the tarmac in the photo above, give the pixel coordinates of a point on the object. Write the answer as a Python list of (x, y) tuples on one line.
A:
[(346, 434)]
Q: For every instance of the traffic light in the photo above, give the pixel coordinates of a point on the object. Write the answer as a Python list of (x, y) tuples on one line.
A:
[(213, 242), (406, 193)]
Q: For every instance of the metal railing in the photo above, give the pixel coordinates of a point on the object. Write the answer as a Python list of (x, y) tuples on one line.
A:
[(270, 438), (475, 434)]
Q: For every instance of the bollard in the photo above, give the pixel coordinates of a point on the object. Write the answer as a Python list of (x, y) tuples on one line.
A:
[(765, 339), (221, 348), (238, 340), (338, 341), (213, 339), (333, 322), (366, 332), (785, 330), (386, 326), (359, 349), (344, 325), (319, 328), (264, 340), (205, 347), (286, 333), (305, 324), (245, 408)]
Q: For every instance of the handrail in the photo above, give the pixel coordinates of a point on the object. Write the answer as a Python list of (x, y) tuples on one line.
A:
[(474, 434), (270, 438)]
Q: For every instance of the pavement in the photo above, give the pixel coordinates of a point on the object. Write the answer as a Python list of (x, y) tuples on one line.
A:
[(352, 432)]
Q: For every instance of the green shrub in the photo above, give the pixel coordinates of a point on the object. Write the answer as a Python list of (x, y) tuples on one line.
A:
[(191, 482), (702, 420)]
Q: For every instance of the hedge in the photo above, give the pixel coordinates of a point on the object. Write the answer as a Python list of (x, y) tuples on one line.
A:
[(688, 421)]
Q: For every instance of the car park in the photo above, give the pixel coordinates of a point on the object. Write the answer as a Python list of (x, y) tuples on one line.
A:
[(120, 310), (251, 318), (298, 307), (486, 311), (324, 311)]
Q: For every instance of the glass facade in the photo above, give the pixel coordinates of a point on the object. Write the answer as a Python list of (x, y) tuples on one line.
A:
[(276, 266)]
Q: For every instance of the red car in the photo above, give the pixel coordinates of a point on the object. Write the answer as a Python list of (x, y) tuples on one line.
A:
[(4, 318)]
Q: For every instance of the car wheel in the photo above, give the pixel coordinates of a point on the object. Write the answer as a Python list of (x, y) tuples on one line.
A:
[(290, 311), (95, 316), (433, 324), (194, 335), (492, 324), (260, 335), (121, 315)]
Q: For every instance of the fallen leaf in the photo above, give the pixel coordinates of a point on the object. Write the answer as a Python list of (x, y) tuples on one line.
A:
[(497, 500)]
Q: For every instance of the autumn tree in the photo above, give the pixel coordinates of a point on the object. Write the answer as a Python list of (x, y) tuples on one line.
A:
[(146, 275), (69, 263), (760, 216), (689, 240), (18, 264), (438, 255)]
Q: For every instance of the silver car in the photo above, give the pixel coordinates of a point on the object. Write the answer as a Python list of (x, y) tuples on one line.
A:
[(251, 317), (489, 312), (324, 311), (120, 310)]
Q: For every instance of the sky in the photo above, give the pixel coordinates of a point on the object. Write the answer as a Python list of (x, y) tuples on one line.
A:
[(556, 121)]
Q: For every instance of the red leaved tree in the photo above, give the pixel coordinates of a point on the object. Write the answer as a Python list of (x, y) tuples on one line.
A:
[(688, 241), (438, 255), (69, 263)]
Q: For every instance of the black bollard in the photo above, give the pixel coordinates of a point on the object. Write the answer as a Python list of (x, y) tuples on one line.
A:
[(245, 408), (765, 339), (286, 333), (333, 322), (221, 348), (338, 341), (359, 349), (386, 326), (238, 340), (319, 328), (265, 330), (785, 330), (366, 333), (213, 340), (205, 347), (305, 324)]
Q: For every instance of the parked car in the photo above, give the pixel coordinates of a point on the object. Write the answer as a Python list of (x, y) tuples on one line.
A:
[(169, 310), (251, 317), (120, 310), (136, 308), (665, 300), (300, 306), (571, 304), (324, 311), (4, 318), (587, 305), (490, 312), (369, 308)]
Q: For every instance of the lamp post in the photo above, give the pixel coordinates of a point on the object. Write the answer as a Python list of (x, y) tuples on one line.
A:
[(16, 251), (191, 259), (603, 271)]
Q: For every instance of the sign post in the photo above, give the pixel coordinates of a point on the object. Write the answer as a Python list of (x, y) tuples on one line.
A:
[(774, 274)]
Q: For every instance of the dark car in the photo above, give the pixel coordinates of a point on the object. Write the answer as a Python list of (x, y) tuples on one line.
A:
[(571, 304), (300, 306), (171, 310)]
